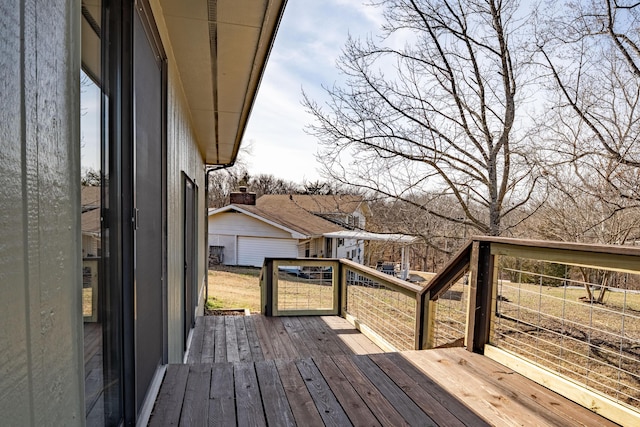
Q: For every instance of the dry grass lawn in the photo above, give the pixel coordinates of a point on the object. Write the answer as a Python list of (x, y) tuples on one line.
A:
[(235, 287)]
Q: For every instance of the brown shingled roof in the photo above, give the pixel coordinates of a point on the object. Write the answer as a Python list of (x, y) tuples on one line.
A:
[(339, 203), (286, 213)]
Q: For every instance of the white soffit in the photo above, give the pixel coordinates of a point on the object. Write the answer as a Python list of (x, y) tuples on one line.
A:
[(221, 48)]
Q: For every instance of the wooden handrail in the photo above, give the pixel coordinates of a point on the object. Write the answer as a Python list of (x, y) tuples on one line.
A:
[(400, 285), (452, 272)]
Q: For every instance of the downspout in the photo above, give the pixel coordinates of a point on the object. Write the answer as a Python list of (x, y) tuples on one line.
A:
[(209, 169)]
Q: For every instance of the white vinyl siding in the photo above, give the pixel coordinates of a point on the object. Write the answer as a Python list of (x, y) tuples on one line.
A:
[(253, 250)]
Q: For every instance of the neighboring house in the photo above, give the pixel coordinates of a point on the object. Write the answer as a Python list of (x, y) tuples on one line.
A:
[(175, 82), (248, 230)]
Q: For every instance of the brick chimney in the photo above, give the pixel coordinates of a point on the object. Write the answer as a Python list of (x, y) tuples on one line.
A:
[(242, 197)]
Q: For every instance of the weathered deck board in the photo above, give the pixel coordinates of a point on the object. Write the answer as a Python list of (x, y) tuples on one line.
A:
[(208, 341), (385, 413), (276, 406), (244, 350), (461, 412), (233, 352), (394, 394), (424, 400), (195, 409), (271, 382), (222, 405), (220, 343), (197, 338), (249, 411), (169, 402), (354, 341), (350, 400), (254, 343), (328, 406), (302, 406)]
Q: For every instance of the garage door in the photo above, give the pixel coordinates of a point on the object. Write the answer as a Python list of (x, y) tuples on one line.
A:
[(253, 250)]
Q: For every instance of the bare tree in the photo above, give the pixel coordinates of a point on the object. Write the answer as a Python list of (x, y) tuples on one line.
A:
[(592, 52), (438, 114), (269, 184)]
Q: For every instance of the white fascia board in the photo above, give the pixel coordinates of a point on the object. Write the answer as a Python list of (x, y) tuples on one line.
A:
[(294, 234)]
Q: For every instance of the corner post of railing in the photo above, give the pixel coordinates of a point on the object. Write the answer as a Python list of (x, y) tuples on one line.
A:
[(267, 287), (425, 316), (342, 291), (480, 296)]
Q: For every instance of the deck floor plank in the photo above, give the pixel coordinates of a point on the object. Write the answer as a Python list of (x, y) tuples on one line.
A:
[(298, 336), (233, 354), (322, 338), (266, 344), (222, 405), (328, 406), (220, 340), (254, 342), (394, 394), (496, 407), (436, 411), (282, 344), (356, 409), (244, 349), (249, 409), (195, 408), (197, 337), (351, 337), (276, 406), (168, 406), (385, 413), (302, 406), (208, 341), (462, 412), (542, 402)]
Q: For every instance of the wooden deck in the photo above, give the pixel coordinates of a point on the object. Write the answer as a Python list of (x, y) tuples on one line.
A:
[(315, 371)]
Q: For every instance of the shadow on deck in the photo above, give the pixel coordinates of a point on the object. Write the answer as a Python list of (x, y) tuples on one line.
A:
[(315, 371)]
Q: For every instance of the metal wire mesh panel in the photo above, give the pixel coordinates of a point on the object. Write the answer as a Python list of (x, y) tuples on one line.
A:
[(451, 315), (389, 313), (583, 323), (305, 288)]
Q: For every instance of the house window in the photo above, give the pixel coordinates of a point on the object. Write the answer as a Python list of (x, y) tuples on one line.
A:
[(328, 247), (353, 221), (340, 242), (307, 249)]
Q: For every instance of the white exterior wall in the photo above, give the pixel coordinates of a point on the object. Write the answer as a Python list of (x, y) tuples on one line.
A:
[(227, 228), (183, 156), (41, 363), (349, 246)]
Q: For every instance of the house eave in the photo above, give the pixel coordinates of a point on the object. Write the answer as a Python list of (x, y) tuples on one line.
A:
[(221, 49)]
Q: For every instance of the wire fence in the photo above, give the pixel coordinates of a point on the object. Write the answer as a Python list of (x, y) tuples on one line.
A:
[(581, 323), (388, 312), (450, 317), (305, 288)]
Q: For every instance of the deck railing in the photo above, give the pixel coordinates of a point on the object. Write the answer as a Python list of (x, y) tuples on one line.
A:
[(565, 315), (380, 305)]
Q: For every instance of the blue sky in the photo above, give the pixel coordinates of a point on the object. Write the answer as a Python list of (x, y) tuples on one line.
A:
[(309, 41)]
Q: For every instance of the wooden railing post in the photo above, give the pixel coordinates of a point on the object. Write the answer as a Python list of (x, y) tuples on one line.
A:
[(342, 289), (267, 287), (425, 321), (480, 297)]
